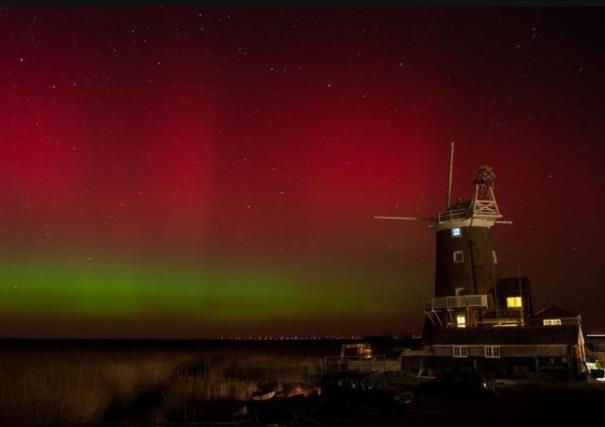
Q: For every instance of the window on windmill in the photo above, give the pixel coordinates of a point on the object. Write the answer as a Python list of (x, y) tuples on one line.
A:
[(514, 302), (458, 257), (456, 232), (461, 321), (494, 257), (551, 322)]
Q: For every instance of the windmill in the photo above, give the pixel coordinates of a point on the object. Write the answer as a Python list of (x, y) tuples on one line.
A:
[(466, 271)]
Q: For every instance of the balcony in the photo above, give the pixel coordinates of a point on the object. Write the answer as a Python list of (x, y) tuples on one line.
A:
[(460, 301), (453, 215)]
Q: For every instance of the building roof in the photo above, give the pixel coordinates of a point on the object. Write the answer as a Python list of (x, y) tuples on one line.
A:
[(528, 335), (553, 311)]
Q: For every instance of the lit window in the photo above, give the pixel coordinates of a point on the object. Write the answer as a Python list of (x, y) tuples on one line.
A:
[(458, 257), (551, 322), (461, 321), (456, 232), (494, 257), (460, 351), (514, 302), (492, 351)]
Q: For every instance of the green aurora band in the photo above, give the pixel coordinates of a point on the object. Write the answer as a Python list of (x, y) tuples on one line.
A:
[(131, 291)]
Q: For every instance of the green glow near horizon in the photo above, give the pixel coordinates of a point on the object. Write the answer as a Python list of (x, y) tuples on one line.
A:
[(126, 291)]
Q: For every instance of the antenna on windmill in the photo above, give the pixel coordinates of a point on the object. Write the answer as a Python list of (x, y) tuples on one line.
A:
[(463, 250), (448, 197)]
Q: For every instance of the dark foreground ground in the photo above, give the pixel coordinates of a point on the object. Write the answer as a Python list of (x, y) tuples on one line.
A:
[(571, 404), (566, 404), (184, 384)]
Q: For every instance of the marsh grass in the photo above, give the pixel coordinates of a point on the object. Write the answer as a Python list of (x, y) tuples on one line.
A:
[(80, 386), (61, 387), (233, 378)]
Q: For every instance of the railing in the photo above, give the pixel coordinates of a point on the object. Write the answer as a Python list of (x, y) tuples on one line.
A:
[(481, 208), (453, 214), (378, 363), (460, 301)]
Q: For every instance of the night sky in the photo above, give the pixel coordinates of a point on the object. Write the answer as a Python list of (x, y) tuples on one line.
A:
[(190, 172)]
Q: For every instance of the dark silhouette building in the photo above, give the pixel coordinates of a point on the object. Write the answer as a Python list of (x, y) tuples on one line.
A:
[(476, 318)]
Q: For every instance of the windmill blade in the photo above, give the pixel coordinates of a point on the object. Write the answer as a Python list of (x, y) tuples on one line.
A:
[(406, 218)]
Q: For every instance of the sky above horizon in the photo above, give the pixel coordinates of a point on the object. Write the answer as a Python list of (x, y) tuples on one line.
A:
[(180, 172)]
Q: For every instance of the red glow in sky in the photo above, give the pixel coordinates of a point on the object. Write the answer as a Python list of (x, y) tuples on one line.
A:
[(271, 136)]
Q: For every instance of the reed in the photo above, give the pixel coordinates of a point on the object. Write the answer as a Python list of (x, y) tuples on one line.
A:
[(61, 388), (234, 378), (80, 386)]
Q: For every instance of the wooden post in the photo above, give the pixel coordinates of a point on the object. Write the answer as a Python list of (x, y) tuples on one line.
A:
[(448, 196)]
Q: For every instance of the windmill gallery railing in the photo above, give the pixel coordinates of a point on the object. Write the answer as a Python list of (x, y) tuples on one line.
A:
[(453, 214), (459, 301)]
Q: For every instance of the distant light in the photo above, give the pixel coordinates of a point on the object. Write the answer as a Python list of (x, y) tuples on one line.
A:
[(456, 232)]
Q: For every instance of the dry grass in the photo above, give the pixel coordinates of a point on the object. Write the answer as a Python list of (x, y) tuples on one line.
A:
[(61, 387), (80, 386), (236, 378)]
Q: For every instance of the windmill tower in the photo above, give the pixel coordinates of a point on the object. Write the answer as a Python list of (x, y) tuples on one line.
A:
[(466, 273)]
